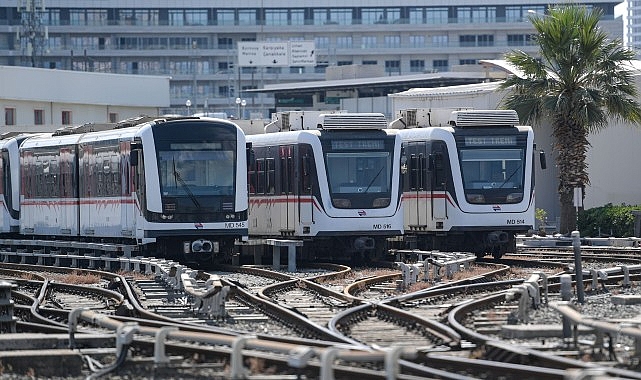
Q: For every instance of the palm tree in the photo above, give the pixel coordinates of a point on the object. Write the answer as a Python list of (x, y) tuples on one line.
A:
[(579, 83)]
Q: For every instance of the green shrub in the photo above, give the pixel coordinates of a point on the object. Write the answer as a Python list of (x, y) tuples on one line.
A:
[(608, 220)]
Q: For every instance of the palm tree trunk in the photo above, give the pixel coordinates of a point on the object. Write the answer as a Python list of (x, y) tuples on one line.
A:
[(568, 213), (571, 145)]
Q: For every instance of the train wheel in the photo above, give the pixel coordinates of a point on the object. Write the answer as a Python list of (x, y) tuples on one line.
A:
[(499, 251)]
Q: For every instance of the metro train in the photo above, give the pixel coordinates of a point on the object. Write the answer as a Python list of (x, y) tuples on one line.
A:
[(468, 179), (331, 180), (169, 186)]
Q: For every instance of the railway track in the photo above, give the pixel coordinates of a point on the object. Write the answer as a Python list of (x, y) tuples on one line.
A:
[(330, 318)]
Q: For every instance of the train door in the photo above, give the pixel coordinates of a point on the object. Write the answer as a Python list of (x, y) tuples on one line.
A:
[(287, 210), (306, 174), (67, 188), (438, 169), (87, 188), (127, 208), (415, 202), (137, 162)]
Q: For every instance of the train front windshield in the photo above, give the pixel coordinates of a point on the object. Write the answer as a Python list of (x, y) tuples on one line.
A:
[(359, 172), (196, 169), (493, 169)]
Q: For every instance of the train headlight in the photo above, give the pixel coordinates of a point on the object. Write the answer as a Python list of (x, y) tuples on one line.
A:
[(514, 198), (380, 202), (475, 198), (341, 203), (202, 245)]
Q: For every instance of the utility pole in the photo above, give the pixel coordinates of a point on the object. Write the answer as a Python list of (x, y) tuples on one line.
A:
[(32, 34)]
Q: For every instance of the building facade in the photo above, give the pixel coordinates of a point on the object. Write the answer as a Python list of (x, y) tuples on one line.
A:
[(42, 100), (196, 43)]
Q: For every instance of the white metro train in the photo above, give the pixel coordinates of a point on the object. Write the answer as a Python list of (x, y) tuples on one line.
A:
[(330, 180), (172, 187), (468, 179)]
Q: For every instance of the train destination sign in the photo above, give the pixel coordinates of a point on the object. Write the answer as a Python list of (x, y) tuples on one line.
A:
[(275, 54), (490, 140)]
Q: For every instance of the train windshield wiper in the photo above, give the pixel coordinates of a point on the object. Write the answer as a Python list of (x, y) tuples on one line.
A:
[(183, 184), (511, 175), (374, 179)]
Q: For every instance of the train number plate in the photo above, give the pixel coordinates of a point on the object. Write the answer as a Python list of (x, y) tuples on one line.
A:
[(515, 221), (235, 225), (381, 226)]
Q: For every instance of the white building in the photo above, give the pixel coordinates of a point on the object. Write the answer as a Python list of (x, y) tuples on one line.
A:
[(39, 100)]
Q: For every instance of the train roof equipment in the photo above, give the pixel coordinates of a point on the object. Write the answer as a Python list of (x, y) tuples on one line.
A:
[(126, 123), (324, 120), (425, 117)]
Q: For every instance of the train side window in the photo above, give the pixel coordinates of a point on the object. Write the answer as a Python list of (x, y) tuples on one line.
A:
[(100, 178), (413, 172), (270, 176), (422, 172), (286, 170), (290, 174), (54, 176), (39, 178), (109, 183), (306, 181), (25, 173), (260, 176), (251, 176), (284, 182), (439, 177), (115, 174), (65, 172)]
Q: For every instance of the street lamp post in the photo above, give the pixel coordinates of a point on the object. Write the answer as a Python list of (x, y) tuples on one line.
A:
[(238, 101), (188, 104), (243, 103)]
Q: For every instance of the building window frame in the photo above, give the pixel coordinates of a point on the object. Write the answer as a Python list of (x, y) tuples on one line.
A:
[(66, 117), (10, 116), (38, 116)]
